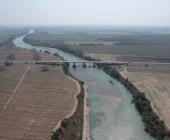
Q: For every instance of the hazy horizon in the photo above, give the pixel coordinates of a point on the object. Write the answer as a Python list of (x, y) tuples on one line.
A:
[(85, 13)]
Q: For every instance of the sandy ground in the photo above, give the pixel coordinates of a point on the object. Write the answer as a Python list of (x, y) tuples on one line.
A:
[(35, 101), (156, 86), (86, 115), (23, 54)]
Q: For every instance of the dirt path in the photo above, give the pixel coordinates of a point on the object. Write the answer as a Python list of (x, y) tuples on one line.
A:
[(16, 88), (86, 115)]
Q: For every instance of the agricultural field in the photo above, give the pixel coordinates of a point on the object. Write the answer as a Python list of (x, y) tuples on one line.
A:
[(33, 100), (127, 58), (154, 81), (17, 54), (152, 42)]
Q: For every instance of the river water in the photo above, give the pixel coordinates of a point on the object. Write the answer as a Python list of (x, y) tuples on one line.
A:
[(112, 115)]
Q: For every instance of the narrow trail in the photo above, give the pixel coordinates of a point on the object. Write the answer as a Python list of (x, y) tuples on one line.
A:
[(15, 90)]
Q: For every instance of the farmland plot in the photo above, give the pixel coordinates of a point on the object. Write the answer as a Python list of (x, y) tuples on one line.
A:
[(24, 55), (41, 100)]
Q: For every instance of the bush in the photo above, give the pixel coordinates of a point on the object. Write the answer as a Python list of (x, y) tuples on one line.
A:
[(11, 57), (36, 56), (84, 65), (7, 64), (44, 69), (74, 65)]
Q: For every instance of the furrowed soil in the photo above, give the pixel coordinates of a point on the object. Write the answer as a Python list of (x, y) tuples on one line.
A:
[(24, 55), (32, 102)]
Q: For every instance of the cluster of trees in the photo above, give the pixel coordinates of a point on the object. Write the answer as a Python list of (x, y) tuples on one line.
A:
[(66, 68), (61, 46), (153, 125), (91, 44)]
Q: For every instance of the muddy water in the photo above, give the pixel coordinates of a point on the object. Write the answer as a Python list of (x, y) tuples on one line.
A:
[(112, 116)]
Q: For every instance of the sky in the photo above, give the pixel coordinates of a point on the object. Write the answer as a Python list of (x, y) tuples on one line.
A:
[(85, 12)]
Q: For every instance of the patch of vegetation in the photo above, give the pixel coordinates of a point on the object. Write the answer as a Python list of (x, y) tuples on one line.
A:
[(7, 63), (36, 56), (153, 124), (44, 68), (11, 57)]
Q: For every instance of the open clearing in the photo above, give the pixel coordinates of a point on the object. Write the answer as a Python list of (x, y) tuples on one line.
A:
[(24, 55), (154, 81), (33, 102)]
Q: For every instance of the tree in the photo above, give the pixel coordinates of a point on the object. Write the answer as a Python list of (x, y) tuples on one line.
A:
[(84, 65), (44, 69), (11, 57), (36, 56), (7, 63), (74, 65)]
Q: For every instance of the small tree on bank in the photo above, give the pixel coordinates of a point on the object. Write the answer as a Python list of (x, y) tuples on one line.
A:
[(74, 65), (84, 65)]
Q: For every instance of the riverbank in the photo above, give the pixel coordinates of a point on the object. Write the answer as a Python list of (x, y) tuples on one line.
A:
[(153, 124), (86, 115), (72, 126)]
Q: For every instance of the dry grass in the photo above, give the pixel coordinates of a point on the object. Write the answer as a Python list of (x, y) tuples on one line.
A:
[(156, 86), (23, 54), (41, 101)]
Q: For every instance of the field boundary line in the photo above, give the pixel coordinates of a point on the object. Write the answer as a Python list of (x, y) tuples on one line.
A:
[(16, 88)]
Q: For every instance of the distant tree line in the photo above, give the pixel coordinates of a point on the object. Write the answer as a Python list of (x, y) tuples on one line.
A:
[(59, 45)]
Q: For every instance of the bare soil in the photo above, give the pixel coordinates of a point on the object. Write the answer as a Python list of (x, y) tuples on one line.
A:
[(24, 55), (41, 100)]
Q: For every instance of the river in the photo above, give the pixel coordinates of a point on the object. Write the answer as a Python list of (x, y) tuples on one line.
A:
[(112, 115)]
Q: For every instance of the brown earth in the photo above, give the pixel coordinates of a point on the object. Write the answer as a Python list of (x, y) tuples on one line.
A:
[(33, 102), (24, 55)]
